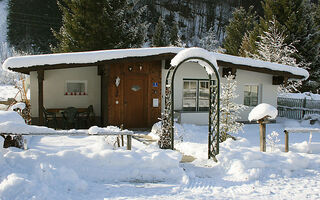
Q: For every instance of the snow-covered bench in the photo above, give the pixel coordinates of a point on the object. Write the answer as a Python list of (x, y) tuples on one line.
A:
[(298, 130)]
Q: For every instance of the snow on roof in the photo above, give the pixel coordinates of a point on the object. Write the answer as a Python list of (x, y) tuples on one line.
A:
[(196, 52), (84, 57), (103, 55), (263, 110), (261, 64)]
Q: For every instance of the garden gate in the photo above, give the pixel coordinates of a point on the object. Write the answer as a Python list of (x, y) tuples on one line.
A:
[(167, 137)]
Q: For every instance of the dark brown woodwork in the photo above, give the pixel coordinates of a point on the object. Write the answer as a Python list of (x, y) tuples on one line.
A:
[(148, 73), (228, 70), (258, 69), (104, 71), (135, 99), (40, 96), (277, 80)]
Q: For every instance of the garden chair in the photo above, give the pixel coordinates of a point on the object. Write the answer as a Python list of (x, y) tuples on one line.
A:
[(50, 117), (70, 118), (86, 118)]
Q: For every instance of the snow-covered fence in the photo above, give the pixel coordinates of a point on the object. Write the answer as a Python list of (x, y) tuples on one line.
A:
[(297, 108)]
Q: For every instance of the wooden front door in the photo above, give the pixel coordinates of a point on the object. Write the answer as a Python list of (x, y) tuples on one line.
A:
[(135, 101)]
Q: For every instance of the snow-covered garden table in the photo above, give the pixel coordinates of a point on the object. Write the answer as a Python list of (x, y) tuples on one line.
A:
[(298, 130)]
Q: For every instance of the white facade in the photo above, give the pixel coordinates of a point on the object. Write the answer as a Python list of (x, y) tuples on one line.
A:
[(267, 92), (54, 85)]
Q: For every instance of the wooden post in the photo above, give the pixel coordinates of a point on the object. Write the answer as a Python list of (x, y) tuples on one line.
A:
[(262, 136), (304, 106), (40, 96), (103, 71), (286, 141), (129, 137)]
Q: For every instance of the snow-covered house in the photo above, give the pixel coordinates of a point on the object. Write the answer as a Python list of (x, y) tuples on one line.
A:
[(127, 86)]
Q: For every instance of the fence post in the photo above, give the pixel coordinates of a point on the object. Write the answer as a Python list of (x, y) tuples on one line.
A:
[(304, 106)]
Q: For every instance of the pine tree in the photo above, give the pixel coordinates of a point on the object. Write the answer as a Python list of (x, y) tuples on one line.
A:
[(160, 36), (100, 24), (174, 34), (29, 25), (272, 48), (209, 42), (230, 111), (296, 20), (241, 22), (248, 44)]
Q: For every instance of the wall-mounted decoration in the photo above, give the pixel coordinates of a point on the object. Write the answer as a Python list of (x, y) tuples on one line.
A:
[(135, 88), (154, 84), (117, 81)]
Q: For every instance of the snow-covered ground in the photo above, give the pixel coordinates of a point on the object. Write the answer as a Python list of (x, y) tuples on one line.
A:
[(90, 168), (7, 91)]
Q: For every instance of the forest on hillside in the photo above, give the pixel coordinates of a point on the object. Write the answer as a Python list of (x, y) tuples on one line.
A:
[(30, 22), (237, 27)]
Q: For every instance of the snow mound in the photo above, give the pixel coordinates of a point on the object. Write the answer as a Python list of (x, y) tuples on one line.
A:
[(196, 52), (20, 106), (11, 116), (263, 110), (72, 172), (12, 122)]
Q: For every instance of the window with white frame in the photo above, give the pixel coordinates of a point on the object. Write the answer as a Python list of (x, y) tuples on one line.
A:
[(76, 87), (251, 93), (195, 95)]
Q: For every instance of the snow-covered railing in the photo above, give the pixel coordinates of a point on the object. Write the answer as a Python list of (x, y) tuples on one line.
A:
[(93, 131), (297, 108), (298, 130)]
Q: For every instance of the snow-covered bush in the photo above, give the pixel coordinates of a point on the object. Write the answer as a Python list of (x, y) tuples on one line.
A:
[(230, 111), (210, 43), (273, 140), (156, 131)]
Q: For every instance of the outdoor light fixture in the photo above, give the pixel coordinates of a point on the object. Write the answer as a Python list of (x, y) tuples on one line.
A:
[(130, 68)]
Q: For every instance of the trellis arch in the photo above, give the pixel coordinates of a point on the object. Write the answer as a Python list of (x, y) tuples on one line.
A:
[(167, 137)]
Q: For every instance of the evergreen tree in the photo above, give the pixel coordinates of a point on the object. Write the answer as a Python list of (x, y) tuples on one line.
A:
[(30, 23), (241, 22), (248, 44), (160, 38), (230, 111), (174, 34), (209, 42), (272, 48), (100, 24), (296, 20)]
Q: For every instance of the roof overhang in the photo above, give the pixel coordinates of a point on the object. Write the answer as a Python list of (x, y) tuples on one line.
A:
[(26, 64)]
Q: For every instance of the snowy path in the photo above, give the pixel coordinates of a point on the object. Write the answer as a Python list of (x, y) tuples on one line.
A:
[(66, 167)]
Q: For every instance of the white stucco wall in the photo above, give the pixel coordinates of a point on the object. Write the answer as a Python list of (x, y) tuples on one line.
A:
[(267, 91), (54, 89)]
